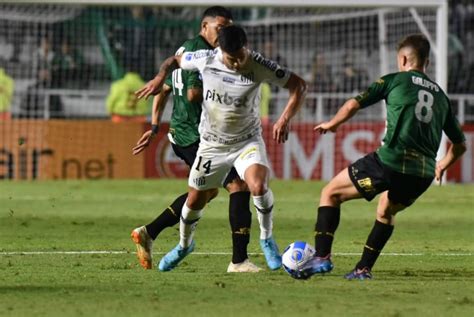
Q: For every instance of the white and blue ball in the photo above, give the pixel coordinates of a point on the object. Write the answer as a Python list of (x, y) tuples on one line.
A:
[(295, 256)]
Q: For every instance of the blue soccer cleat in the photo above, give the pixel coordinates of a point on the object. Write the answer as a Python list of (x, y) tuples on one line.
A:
[(317, 265), (272, 255), (359, 274), (322, 264), (172, 258)]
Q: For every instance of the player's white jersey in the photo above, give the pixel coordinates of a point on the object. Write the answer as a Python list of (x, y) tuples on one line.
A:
[(231, 99)]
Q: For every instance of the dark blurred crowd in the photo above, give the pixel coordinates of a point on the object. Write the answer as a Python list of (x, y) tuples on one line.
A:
[(135, 41), (461, 46)]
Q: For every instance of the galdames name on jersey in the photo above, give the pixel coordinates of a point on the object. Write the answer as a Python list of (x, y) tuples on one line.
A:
[(424, 83)]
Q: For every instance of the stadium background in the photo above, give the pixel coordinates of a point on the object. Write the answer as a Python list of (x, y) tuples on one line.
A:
[(60, 128)]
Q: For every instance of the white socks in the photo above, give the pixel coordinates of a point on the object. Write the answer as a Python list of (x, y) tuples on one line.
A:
[(187, 225), (264, 205), (189, 219)]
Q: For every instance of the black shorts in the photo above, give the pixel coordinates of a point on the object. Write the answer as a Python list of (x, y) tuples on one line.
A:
[(188, 155), (371, 177)]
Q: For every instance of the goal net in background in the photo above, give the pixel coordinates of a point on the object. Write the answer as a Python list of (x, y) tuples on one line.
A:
[(63, 59)]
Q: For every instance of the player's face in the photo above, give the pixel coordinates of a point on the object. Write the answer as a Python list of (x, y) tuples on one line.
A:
[(211, 27), (236, 61)]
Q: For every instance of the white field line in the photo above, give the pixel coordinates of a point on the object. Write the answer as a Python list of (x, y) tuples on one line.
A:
[(210, 253)]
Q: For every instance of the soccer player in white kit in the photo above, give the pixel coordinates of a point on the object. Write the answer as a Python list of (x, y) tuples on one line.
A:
[(230, 131)]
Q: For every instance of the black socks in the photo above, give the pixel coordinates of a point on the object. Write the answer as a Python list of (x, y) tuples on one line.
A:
[(326, 225), (168, 218), (240, 219), (377, 239)]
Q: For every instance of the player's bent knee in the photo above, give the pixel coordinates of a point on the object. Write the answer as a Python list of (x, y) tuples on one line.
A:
[(388, 213), (329, 197), (198, 199), (327, 191), (258, 188)]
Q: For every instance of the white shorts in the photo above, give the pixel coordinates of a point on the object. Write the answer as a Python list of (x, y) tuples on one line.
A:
[(212, 164)]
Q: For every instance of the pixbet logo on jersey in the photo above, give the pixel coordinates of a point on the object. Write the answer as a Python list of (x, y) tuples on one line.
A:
[(229, 100)]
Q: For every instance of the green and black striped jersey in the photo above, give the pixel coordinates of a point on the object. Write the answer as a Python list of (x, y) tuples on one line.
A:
[(186, 115), (418, 111)]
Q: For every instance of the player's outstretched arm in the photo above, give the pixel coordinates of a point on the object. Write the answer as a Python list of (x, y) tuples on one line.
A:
[(154, 86), (454, 152), (347, 111), (297, 88), (159, 105)]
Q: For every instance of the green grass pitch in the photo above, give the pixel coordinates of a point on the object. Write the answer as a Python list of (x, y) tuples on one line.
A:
[(427, 268)]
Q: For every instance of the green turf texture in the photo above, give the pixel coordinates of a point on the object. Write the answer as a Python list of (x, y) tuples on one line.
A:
[(433, 277)]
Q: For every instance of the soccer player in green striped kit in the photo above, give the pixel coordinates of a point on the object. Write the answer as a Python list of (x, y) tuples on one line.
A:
[(402, 168), (186, 87)]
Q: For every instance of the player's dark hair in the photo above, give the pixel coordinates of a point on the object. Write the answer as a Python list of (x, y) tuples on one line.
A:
[(217, 11), (232, 38), (420, 45)]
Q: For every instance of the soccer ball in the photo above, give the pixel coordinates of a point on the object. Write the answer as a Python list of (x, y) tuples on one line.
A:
[(295, 256)]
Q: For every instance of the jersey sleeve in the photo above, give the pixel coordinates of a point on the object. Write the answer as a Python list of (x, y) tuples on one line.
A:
[(195, 60), (279, 77), (193, 78), (377, 91), (270, 72), (452, 128)]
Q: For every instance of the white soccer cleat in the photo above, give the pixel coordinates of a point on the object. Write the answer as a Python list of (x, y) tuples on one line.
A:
[(243, 267), (144, 246)]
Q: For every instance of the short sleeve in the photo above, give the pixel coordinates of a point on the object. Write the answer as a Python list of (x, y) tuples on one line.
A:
[(269, 71), (195, 60), (279, 77), (377, 91)]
